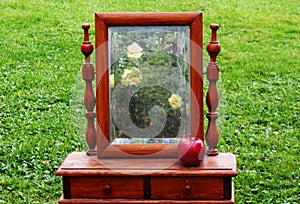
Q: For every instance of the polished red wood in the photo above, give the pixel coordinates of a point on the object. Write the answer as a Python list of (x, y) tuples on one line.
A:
[(89, 98), (148, 18), (187, 188), (102, 22), (107, 187), (79, 164), (196, 78), (88, 179), (212, 99), (102, 82)]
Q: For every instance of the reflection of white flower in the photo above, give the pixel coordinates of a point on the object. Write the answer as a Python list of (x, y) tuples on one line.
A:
[(175, 101), (130, 77), (134, 51)]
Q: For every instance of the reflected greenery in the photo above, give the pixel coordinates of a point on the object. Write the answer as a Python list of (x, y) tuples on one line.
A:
[(149, 65)]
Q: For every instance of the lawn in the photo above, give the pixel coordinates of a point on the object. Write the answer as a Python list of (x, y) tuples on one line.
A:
[(40, 115)]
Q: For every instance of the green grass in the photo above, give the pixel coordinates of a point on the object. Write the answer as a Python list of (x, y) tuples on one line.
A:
[(40, 63)]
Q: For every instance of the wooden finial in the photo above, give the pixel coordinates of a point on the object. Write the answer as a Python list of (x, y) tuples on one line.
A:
[(86, 46), (212, 98), (86, 28), (214, 28), (213, 47)]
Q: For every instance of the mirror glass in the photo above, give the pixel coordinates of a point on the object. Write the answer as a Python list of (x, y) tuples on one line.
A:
[(149, 77)]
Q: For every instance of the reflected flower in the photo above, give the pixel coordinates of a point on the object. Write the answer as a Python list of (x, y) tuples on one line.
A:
[(175, 101), (134, 51), (127, 72), (130, 77), (112, 80)]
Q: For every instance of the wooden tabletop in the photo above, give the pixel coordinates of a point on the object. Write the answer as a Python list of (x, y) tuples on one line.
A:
[(79, 164)]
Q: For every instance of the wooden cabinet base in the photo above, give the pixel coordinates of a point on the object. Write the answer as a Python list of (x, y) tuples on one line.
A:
[(87, 179)]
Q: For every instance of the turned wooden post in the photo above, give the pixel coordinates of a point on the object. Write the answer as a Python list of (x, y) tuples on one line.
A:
[(89, 97), (212, 135)]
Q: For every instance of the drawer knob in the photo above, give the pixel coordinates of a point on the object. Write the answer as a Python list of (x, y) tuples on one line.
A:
[(106, 189), (187, 189)]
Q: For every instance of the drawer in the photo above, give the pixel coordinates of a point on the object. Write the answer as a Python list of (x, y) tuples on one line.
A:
[(187, 188), (106, 187)]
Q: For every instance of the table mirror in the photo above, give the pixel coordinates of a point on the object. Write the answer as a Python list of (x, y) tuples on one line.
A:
[(149, 82)]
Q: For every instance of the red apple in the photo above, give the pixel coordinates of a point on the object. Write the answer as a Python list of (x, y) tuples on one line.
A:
[(190, 151)]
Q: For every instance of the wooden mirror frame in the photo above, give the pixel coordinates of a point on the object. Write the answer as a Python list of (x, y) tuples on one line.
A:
[(105, 20)]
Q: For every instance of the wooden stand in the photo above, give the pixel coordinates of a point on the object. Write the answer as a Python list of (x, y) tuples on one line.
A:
[(87, 179)]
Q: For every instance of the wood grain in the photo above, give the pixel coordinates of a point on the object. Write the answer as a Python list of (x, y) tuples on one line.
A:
[(79, 164), (94, 187), (148, 18), (200, 188)]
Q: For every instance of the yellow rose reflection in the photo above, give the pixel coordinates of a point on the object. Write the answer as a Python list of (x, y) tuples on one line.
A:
[(131, 77), (175, 101)]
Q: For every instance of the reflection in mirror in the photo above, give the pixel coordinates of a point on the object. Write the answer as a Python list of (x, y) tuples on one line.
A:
[(149, 84)]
